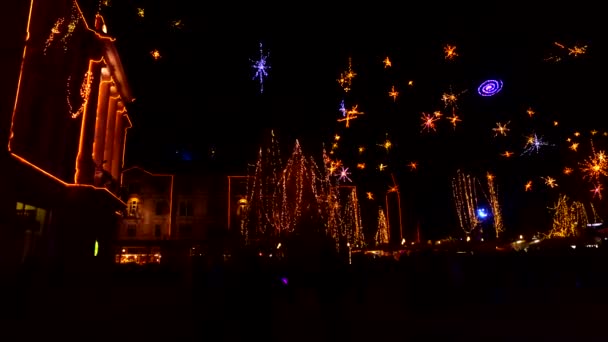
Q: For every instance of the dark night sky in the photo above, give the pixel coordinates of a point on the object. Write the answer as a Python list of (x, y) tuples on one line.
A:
[(201, 92)]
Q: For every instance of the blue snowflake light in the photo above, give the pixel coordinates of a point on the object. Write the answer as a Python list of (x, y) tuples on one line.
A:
[(534, 144), (342, 108), (261, 68)]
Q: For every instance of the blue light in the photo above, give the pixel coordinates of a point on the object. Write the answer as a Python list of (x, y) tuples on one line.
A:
[(489, 87), (482, 213)]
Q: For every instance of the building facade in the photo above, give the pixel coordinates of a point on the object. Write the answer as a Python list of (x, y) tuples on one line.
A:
[(169, 217), (146, 223), (64, 136)]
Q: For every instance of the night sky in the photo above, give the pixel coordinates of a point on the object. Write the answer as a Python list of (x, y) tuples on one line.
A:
[(200, 94)]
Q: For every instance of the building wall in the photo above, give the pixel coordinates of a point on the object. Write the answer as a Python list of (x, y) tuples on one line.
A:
[(55, 206), (69, 96), (149, 204), (197, 209)]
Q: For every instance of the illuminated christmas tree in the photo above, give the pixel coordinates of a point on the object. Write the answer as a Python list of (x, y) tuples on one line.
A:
[(302, 192), (382, 234), (568, 218), (262, 193), (351, 220)]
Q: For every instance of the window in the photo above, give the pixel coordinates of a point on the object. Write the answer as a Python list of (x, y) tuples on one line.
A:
[(160, 187), (185, 230), (157, 231), (31, 217), (131, 230), (134, 188), (132, 206), (161, 207), (185, 208)]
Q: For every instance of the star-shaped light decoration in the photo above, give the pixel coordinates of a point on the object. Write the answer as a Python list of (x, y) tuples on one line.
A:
[(501, 129), (177, 24), (550, 181), (533, 144), (387, 144), (344, 174), (450, 52), (387, 63), (155, 54), (530, 111), (393, 93), (261, 67), (454, 119), (342, 108), (528, 186), (346, 77), (428, 122), (370, 196), (413, 165), (597, 191), (577, 50), (350, 115)]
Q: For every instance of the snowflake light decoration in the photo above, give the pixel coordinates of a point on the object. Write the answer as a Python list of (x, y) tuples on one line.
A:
[(393, 93), (261, 67), (501, 129), (428, 122), (344, 174), (533, 144), (342, 108), (450, 52), (597, 191), (387, 63)]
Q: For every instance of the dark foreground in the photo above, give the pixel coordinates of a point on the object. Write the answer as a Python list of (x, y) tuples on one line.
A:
[(514, 297)]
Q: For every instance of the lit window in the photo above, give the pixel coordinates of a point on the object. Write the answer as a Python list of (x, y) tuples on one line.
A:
[(133, 206)]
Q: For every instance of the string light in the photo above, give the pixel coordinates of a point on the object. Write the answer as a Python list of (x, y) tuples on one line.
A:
[(284, 198), (494, 204), (346, 77), (465, 200), (85, 92), (54, 32), (568, 218)]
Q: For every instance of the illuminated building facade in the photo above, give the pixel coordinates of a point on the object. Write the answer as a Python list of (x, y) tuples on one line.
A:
[(65, 131), (169, 215), (147, 218)]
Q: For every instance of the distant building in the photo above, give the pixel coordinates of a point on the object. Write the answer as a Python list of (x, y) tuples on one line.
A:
[(65, 131), (169, 216), (147, 218)]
